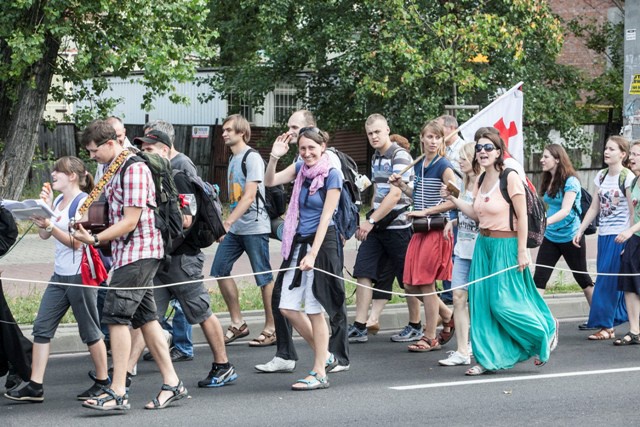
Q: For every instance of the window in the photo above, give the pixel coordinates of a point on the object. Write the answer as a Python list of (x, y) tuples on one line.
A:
[(240, 104), (284, 102)]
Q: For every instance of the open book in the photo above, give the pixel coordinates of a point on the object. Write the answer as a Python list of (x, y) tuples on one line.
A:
[(27, 208)]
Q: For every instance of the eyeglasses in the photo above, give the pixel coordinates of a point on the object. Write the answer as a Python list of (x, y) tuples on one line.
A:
[(114, 137), (487, 147)]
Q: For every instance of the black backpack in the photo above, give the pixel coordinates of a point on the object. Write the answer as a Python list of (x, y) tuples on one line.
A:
[(275, 200), (168, 217), (350, 173), (207, 226), (8, 230), (536, 213), (585, 202)]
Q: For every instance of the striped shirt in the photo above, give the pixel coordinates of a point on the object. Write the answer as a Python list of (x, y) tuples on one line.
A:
[(136, 190), (394, 160), (426, 187)]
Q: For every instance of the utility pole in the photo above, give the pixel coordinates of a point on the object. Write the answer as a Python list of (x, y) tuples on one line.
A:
[(631, 109)]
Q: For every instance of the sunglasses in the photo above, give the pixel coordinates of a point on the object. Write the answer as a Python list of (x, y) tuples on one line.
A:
[(487, 147), (313, 131)]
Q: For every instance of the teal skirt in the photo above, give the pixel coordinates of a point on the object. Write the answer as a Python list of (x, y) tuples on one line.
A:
[(510, 322)]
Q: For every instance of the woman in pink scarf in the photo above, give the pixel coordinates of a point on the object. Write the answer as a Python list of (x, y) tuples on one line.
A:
[(309, 241)]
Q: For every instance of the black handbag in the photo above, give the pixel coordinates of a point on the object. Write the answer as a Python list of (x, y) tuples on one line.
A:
[(429, 223), (383, 223)]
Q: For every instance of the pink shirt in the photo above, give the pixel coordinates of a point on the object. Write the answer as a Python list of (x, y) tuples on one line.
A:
[(492, 208), (136, 190)]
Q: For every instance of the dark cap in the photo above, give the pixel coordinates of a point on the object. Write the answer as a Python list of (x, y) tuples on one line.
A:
[(152, 137)]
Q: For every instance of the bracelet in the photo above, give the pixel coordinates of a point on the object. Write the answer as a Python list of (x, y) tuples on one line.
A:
[(274, 156)]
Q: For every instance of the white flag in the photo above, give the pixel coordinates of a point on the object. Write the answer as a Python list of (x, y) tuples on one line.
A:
[(504, 114)]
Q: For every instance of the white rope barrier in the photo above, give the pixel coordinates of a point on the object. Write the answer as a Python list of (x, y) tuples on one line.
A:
[(353, 282)]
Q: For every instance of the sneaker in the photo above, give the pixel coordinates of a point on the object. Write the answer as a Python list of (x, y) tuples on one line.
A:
[(356, 335), (277, 364), (455, 359), (178, 356), (408, 334), (94, 391), (339, 368), (218, 376), (331, 363), (25, 393), (13, 381), (585, 327)]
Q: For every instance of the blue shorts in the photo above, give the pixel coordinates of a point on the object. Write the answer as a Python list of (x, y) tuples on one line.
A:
[(460, 274), (233, 246)]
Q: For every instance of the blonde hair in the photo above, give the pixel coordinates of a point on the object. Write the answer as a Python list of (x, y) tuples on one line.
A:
[(435, 128), (468, 152)]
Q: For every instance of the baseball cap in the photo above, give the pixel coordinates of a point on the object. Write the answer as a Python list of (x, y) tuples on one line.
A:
[(153, 137)]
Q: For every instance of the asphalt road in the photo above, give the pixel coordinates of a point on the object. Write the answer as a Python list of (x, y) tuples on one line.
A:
[(585, 383)]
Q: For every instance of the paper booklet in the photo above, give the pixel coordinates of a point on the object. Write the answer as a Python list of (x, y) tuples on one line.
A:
[(28, 208)]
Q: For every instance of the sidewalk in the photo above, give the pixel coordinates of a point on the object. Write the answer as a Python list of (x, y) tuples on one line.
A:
[(32, 260)]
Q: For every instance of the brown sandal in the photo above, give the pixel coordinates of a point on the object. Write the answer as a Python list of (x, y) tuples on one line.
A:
[(603, 334), (234, 333), (424, 344), (264, 339), (445, 337)]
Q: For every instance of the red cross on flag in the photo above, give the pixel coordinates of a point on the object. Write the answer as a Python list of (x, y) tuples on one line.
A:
[(504, 114)]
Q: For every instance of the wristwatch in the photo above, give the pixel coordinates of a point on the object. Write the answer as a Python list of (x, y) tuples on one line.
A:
[(49, 228), (372, 221), (96, 241)]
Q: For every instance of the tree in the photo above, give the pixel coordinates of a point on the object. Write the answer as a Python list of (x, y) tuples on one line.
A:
[(165, 40), (404, 58)]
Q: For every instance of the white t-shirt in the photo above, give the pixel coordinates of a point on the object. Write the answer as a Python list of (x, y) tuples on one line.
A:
[(67, 261), (614, 209), (467, 230)]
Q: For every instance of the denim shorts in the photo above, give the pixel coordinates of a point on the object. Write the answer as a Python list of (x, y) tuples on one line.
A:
[(460, 274), (233, 246)]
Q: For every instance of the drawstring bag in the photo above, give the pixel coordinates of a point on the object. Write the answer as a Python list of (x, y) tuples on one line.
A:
[(91, 267)]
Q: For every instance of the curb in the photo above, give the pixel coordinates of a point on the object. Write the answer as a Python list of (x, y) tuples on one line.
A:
[(394, 317)]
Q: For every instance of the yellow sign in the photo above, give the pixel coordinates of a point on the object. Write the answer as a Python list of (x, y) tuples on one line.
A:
[(635, 85)]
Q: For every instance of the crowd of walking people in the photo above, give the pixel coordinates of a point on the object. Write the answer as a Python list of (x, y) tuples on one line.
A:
[(455, 215)]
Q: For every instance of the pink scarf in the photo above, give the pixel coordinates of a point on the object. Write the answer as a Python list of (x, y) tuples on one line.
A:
[(317, 173)]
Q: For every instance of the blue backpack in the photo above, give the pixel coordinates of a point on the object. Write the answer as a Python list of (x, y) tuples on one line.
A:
[(347, 215)]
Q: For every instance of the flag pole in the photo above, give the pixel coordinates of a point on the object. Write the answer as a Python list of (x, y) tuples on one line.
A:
[(462, 126)]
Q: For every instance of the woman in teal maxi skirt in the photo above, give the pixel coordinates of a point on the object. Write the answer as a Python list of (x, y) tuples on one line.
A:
[(510, 322)]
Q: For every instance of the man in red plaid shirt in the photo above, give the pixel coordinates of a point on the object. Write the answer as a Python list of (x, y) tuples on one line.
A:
[(135, 262)]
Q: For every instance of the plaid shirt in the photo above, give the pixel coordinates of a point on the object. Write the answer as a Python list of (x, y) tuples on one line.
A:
[(136, 190)]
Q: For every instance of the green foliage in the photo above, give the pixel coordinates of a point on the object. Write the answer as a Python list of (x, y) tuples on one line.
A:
[(163, 41), (404, 58)]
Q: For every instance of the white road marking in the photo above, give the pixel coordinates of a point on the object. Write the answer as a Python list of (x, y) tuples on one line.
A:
[(486, 380)]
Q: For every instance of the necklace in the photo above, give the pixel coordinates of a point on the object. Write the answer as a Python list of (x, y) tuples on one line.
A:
[(486, 195)]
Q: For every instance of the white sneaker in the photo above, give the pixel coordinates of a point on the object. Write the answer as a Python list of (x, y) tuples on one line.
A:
[(454, 359), (340, 368), (277, 364)]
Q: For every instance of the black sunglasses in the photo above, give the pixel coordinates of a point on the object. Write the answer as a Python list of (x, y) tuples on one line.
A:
[(487, 147), (113, 138), (312, 130)]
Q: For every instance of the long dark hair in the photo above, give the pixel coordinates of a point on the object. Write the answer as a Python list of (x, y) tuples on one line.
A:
[(551, 184)]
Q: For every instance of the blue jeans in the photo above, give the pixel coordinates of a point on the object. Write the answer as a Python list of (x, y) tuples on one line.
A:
[(180, 329), (233, 246)]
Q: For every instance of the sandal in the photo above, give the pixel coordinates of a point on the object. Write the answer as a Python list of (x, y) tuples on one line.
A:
[(477, 370), (445, 337), (603, 334), (317, 382), (234, 333), (374, 328), (178, 391), (264, 339), (628, 339), (539, 363), (110, 395), (424, 344)]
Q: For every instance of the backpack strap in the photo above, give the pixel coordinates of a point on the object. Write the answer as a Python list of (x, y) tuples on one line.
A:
[(621, 178), (73, 208), (259, 196)]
